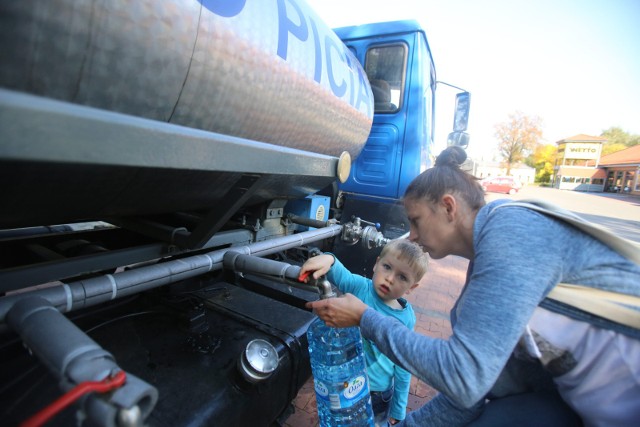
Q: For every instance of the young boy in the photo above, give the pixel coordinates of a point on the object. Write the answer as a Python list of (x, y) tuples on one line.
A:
[(397, 271)]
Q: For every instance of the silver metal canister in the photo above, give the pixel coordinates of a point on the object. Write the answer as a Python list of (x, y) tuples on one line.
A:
[(258, 361)]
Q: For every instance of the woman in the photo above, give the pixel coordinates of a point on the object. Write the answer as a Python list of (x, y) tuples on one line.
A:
[(512, 352)]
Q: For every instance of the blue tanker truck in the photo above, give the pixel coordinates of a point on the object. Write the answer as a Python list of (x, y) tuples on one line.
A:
[(166, 168)]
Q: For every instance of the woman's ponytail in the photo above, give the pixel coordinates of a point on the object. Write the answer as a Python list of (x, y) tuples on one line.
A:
[(447, 177)]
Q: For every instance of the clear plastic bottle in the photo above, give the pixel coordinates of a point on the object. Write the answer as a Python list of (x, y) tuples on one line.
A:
[(339, 376)]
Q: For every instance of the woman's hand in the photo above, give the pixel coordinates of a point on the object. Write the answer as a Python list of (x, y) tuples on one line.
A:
[(340, 312)]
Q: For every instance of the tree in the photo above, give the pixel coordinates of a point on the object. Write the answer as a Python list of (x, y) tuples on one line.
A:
[(517, 137), (617, 136), (608, 148), (617, 140), (543, 159)]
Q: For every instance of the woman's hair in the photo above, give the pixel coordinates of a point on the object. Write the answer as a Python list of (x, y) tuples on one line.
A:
[(409, 252), (447, 177)]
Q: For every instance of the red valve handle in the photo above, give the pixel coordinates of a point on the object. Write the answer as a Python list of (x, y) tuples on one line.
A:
[(304, 276), (109, 383)]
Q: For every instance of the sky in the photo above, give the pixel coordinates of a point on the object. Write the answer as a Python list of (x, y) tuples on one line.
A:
[(573, 63)]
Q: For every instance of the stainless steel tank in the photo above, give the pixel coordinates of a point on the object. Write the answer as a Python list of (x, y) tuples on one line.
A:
[(269, 71), (135, 107)]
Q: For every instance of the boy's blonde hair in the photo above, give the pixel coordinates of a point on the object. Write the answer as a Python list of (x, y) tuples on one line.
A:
[(411, 253)]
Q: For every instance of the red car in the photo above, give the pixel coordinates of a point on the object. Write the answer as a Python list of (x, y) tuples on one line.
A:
[(501, 184)]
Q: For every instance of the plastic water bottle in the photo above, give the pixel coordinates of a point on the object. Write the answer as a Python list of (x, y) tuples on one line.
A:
[(339, 376)]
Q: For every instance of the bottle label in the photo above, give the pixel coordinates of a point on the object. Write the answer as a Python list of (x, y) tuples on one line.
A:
[(321, 389), (348, 394)]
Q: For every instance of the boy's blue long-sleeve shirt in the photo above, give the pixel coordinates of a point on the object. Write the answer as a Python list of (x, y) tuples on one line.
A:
[(382, 372), (520, 255)]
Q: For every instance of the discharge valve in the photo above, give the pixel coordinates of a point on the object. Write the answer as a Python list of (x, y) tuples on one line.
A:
[(369, 236), (322, 285)]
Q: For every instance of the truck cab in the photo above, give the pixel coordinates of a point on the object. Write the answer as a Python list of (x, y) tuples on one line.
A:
[(398, 63), (399, 66)]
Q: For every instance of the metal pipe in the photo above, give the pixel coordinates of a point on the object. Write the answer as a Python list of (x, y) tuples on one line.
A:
[(13, 233), (309, 222), (253, 264), (325, 289), (89, 292), (287, 273), (74, 358)]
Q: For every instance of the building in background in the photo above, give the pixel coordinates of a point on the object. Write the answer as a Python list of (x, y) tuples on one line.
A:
[(622, 170), (577, 164), (580, 166)]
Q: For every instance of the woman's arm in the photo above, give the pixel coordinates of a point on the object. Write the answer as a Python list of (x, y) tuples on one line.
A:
[(515, 265), (519, 256)]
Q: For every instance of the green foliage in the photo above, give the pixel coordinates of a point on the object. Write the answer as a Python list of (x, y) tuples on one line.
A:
[(618, 139), (543, 159), (612, 148)]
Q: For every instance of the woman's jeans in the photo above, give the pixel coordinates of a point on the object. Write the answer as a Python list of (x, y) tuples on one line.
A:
[(528, 409)]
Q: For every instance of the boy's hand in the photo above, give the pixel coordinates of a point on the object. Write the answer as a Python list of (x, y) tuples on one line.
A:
[(393, 421), (319, 265)]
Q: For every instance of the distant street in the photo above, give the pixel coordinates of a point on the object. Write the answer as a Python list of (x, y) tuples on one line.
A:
[(619, 213)]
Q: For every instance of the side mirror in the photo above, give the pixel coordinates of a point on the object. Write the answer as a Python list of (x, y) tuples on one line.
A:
[(461, 117), (461, 139)]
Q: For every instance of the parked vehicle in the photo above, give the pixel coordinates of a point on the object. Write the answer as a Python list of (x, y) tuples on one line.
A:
[(166, 167), (501, 184)]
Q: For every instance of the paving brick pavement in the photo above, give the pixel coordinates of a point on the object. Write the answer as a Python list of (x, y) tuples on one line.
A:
[(431, 301)]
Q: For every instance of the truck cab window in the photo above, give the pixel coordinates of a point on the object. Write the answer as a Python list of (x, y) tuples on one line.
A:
[(385, 68)]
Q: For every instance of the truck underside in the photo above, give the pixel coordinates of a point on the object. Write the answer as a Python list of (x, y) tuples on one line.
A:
[(150, 287)]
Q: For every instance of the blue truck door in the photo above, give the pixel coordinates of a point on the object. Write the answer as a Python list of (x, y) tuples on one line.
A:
[(398, 63), (376, 171), (397, 60)]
